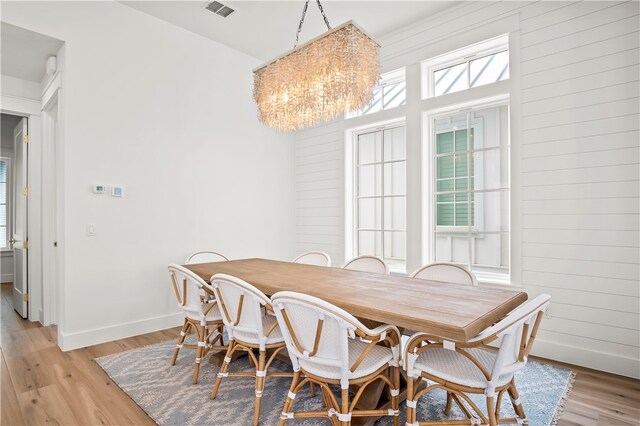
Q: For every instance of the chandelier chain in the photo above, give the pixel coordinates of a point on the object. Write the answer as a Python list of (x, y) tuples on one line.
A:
[(304, 12)]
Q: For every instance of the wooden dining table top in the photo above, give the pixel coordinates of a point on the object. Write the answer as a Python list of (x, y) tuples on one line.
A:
[(452, 311)]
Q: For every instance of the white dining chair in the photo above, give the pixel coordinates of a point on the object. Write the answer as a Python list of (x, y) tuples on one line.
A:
[(317, 258), (472, 367), (329, 346), (367, 264), (251, 325), (448, 272), (203, 316), (205, 257)]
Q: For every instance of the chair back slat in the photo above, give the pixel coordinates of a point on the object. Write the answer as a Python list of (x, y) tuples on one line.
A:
[(241, 305), (447, 272), (188, 295), (317, 258), (316, 332), (367, 264)]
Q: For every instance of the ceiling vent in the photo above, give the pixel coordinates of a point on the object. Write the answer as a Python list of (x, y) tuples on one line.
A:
[(219, 9)]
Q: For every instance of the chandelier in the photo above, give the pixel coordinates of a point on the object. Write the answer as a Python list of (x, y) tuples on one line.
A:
[(319, 80)]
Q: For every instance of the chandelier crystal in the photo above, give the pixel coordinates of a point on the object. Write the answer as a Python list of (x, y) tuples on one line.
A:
[(319, 80)]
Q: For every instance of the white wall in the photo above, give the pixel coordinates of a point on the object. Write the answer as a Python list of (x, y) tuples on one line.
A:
[(575, 165), (168, 114)]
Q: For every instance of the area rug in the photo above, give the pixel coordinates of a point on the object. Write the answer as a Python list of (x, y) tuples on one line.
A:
[(167, 395)]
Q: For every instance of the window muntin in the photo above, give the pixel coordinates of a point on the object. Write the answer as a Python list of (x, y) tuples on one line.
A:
[(4, 202), (476, 65), (391, 92), (380, 193), (472, 191)]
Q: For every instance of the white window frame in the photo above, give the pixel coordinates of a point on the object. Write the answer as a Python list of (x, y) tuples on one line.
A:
[(465, 54), (9, 204), (429, 182), (351, 187), (386, 79)]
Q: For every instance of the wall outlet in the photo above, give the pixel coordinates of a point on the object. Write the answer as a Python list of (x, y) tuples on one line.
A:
[(547, 312), (91, 229)]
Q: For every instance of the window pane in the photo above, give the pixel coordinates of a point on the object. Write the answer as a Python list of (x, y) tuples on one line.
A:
[(394, 95), (369, 213), (452, 79), (492, 169), (461, 140), (369, 180), (394, 144), (492, 251), (462, 214), (3, 170), (3, 193), (494, 210), (489, 69), (376, 103), (394, 178), (445, 214), (370, 148), (394, 213), (444, 142), (490, 127), (395, 245), (370, 243), (452, 247), (3, 215), (461, 165), (445, 185), (3, 237), (444, 167)]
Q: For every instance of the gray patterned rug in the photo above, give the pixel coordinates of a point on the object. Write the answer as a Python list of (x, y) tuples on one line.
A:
[(167, 395)]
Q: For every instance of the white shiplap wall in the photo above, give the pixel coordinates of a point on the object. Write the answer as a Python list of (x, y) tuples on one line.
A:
[(575, 166)]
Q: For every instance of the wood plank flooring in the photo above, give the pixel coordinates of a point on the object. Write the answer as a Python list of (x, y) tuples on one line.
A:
[(42, 385)]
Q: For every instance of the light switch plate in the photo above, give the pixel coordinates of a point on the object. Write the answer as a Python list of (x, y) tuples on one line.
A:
[(117, 191)]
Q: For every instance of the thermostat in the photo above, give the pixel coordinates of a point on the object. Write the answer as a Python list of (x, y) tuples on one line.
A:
[(117, 191), (99, 189)]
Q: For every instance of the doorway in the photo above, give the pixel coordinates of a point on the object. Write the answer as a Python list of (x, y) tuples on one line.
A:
[(14, 208)]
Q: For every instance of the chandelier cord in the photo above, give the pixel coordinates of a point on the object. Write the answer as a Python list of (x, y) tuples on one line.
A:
[(304, 12)]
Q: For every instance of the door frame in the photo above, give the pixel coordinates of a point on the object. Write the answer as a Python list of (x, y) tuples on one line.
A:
[(31, 109), (52, 179)]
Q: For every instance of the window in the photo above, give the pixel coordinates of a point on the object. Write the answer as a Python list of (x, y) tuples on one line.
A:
[(471, 187), (473, 66), (380, 195), (4, 198), (390, 93)]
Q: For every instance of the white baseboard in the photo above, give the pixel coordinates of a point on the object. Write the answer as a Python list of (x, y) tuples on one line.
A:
[(6, 278), (81, 339), (611, 363)]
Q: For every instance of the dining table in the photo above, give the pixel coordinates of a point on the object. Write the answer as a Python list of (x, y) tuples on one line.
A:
[(452, 311)]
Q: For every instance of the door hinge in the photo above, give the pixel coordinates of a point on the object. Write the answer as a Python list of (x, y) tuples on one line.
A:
[(25, 191), (26, 138), (25, 244), (25, 297)]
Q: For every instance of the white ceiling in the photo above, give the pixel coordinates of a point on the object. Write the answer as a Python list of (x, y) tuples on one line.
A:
[(24, 53), (266, 29)]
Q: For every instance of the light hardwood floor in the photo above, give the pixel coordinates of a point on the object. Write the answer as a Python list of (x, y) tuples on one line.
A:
[(42, 385)]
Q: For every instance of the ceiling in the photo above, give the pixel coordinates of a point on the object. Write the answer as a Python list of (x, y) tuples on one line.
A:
[(25, 53), (266, 29)]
